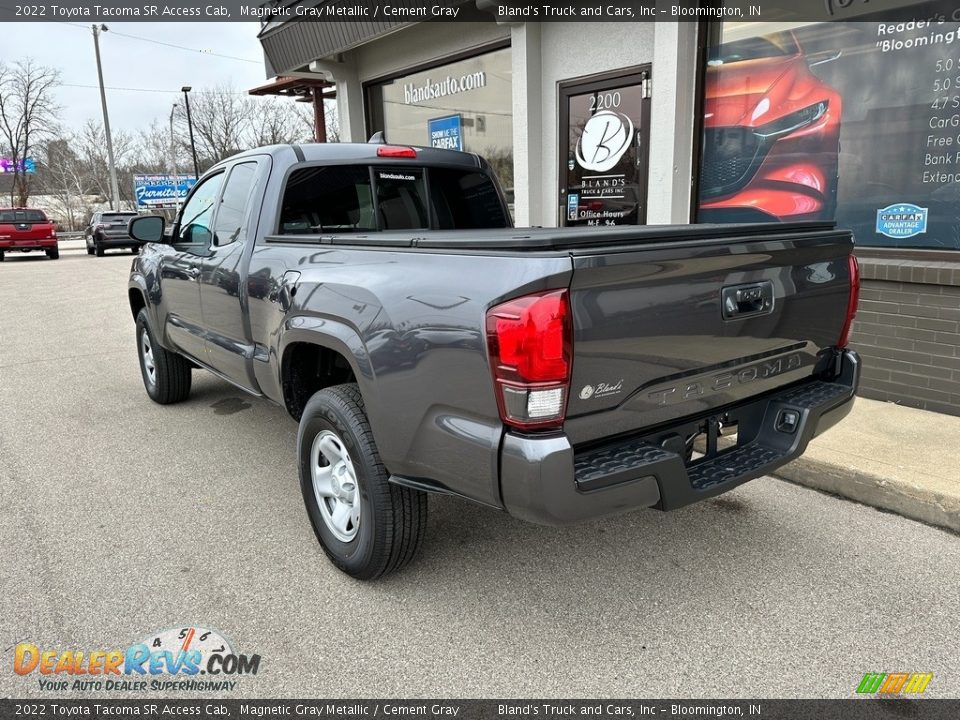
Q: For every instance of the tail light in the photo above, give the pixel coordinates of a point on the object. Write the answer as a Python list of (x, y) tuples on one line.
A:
[(394, 151), (852, 299), (531, 352)]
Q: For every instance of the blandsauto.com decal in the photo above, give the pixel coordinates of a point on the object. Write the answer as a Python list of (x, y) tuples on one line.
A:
[(183, 658)]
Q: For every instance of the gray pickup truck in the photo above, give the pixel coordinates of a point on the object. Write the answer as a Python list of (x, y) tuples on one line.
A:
[(381, 295)]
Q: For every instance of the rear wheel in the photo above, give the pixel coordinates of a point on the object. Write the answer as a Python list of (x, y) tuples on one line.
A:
[(53, 254), (367, 526), (1, 255), (166, 375)]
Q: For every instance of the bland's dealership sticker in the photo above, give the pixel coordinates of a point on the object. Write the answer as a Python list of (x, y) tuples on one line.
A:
[(184, 658)]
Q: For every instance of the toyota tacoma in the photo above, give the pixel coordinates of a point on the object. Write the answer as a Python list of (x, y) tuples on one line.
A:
[(381, 295)]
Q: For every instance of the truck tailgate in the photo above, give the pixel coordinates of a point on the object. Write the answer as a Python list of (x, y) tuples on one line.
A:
[(25, 231), (671, 330)]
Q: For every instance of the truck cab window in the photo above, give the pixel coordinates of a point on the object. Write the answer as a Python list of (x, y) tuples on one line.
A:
[(401, 199), (465, 200), (339, 199), (330, 199), (231, 215), (197, 215)]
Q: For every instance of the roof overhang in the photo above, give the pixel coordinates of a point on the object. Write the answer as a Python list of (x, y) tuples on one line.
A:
[(292, 44)]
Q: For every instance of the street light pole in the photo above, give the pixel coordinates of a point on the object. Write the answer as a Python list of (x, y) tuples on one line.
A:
[(114, 188), (193, 147), (173, 160)]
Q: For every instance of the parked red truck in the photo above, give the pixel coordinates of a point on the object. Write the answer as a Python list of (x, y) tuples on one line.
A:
[(26, 230)]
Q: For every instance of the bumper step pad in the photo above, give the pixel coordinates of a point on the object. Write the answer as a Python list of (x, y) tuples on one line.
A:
[(765, 446)]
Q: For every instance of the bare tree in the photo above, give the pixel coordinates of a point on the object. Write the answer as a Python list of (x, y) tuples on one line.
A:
[(220, 118), (226, 122), (273, 121), (152, 149), (62, 174), (28, 113), (91, 145)]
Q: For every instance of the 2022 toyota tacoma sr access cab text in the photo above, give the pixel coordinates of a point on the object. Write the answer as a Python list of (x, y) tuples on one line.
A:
[(424, 345)]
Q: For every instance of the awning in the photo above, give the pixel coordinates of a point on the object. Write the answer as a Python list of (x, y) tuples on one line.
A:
[(294, 45)]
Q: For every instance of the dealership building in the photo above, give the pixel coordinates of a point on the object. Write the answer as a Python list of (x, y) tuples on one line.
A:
[(849, 117)]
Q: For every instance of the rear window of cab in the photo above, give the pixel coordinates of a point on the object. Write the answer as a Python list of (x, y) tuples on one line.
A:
[(362, 198), (16, 216)]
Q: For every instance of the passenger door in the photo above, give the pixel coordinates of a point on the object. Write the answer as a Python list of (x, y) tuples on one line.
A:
[(191, 238), (223, 273)]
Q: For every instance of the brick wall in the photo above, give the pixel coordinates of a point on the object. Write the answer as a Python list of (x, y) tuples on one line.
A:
[(908, 332)]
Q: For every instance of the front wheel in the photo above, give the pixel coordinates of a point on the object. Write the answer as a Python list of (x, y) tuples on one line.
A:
[(367, 526), (166, 375)]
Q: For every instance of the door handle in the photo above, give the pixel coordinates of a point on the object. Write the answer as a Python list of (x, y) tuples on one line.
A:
[(742, 301)]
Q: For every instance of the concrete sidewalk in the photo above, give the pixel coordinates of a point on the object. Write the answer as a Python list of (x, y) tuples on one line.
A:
[(891, 457)]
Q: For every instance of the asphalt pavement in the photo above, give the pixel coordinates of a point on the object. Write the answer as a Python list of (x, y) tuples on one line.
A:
[(120, 518)]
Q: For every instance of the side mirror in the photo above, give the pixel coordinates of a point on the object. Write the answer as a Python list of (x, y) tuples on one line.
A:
[(148, 228)]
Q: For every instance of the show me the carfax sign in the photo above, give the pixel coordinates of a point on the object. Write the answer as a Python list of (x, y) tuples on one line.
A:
[(161, 190)]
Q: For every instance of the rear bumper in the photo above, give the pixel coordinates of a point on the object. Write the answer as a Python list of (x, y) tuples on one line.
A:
[(44, 244), (116, 241), (544, 480)]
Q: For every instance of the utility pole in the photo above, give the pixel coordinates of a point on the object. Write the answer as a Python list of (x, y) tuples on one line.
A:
[(193, 147), (173, 160), (114, 188)]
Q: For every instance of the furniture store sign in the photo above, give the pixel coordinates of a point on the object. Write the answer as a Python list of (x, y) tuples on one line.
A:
[(157, 190)]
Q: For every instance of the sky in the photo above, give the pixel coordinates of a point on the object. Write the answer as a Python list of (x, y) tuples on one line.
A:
[(137, 63)]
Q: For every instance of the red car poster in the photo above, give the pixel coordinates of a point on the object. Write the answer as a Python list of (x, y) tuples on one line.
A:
[(853, 121)]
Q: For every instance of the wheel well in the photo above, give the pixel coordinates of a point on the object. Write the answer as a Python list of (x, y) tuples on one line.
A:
[(137, 301), (308, 368)]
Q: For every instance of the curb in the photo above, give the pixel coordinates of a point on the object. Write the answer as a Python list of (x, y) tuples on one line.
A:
[(902, 498)]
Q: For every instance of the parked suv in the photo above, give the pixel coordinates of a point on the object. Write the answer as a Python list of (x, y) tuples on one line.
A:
[(108, 230), (24, 230)]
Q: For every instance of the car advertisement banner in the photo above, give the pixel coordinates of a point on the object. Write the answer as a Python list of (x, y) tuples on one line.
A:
[(161, 190), (853, 121)]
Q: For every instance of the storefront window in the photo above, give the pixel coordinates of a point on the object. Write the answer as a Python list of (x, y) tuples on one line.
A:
[(853, 121), (464, 105)]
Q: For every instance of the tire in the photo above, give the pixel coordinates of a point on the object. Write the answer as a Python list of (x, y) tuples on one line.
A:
[(98, 249), (89, 250), (391, 522), (1, 255), (169, 381), (53, 254)]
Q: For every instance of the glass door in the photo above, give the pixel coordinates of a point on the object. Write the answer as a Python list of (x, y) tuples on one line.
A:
[(604, 132)]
